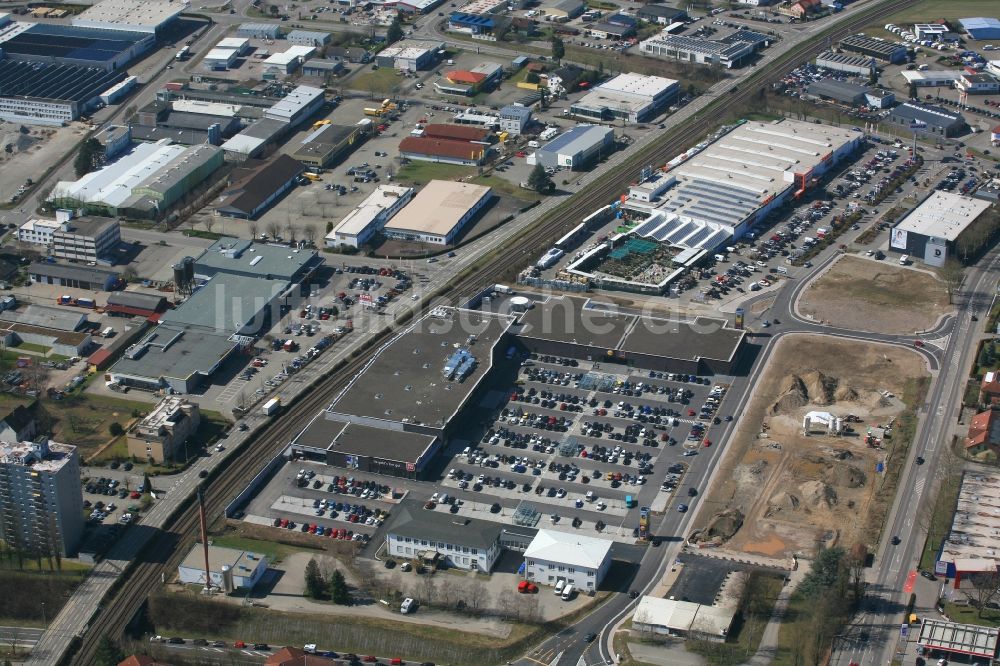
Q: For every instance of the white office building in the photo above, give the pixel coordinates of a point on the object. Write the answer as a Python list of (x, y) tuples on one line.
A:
[(229, 569), (572, 558), (438, 536), (358, 227), (298, 105)]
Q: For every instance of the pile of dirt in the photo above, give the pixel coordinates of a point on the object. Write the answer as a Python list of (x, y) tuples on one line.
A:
[(847, 476), (817, 493), (721, 527), (783, 501), (813, 387)]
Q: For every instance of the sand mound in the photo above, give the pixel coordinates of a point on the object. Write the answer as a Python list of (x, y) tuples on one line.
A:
[(721, 527), (821, 388), (812, 387), (846, 394), (792, 395), (783, 501), (816, 493)]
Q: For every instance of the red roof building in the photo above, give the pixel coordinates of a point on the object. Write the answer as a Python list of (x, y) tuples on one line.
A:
[(456, 132), (442, 150), (465, 76), (290, 656), (984, 432), (989, 389), (141, 660)]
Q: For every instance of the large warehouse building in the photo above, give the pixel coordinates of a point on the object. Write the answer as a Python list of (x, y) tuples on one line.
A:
[(138, 15), (981, 27), (397, 413), (577, 148), (928, 118), (71, 45), (717, 194), (439, 212), (47, 94), (635, 98), (932, 232), (362, 223)]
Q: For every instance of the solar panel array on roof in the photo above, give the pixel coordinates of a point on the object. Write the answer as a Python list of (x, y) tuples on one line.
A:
[(459, 364), (72, 43), (56, 82)]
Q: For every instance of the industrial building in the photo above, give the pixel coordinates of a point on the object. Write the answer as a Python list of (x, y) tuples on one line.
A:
[(563, 9), (230, 569), (308, 38), (323, 68), (255, 139), (583, 329), (441, 538), (683, 619), (514, 118), (399, 411), (471, 24), (851, 94), (258, 30), (842, 62), (697, 50), (186, 121), (85, 239), (448, 151), (969, 549), (931, 232), (219, 59), (661, 14), (135, 304), (41, 500), (115, 139), (439, 212), (142, 184), (931, 78), (928, 118), (137, 15), (574, 559), (577, 148), (329, 144), (59, 44), (297, 106), (362, 223), (288, 61), (876, 48), (41, 93), (44, 316), (161, 435), (410, 55), (255, 187), (468, 82), (63, 343), (239, 44), (242, 288), (981, 27), (634, 98), (977, 84), (88, 278), (716, 193)]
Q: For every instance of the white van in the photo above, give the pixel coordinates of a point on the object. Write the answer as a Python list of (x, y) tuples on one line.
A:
[(465, 451), (559, 586), (407, 605), (782, 270), (720, 258), (591, 496), (567, 592), (108, 332), (533, 144), (904, 260)]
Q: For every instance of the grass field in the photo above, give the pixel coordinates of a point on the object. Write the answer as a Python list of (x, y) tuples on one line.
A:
[(381, 80), (927, 11), (941, 516), (30, 595), (419, 173), (969, 615), (506, 187), (275, 552), (743, 641)]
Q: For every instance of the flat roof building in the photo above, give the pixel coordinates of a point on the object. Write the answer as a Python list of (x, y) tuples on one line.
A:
[(634, 98), (220, 58), (289, 60), (230, 569), (139, 15), (981, 27), (439, 212), (298, 105), (842, 62), (252, 141), (308, 37), (328, 144), (70, 45), (41, 500), (932, 78), (161, 435), (410, 55), (395, 415), (683, 618), (959, 640), (89, 278), (135, 304), (697, 50), (577, 148), (844, 92), (39, 93), (928, 118), (574, 559), (514, 118), (178, 358), (255, 187), (970, 546), (258, 30), (60, 319), (414, 533), (362, 223), (876, 48), (584, 329), (240, 256), (932, 231)]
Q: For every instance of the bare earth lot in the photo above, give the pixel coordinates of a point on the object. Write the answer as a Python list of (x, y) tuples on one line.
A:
[(781, 493), (875, 296)]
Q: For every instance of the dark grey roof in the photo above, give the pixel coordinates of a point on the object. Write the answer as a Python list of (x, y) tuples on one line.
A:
[(842, 91), (410, 519), (659, 10), (935, 116), (55, 82), (19, 418), (63, 271), (354, 439), (135, 299), (256, 186), (193, 121), (748, 36), (185, 137)]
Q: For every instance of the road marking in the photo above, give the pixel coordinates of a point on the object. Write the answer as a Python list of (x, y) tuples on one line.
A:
[(911, 578), (918, 487)]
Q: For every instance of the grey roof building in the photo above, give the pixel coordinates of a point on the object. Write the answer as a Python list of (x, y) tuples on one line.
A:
[(238, 256), (171, 356), (80, 277), (843, 62), (576, 148), (876, 48), (308, 37), (255, 188), (840, 91), (661, 14), (928, 118), (258, 30), (513, 119), (461, 542), (60, 319), (135, 303)]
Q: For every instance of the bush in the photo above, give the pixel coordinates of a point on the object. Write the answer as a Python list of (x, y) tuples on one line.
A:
[(116, 429)]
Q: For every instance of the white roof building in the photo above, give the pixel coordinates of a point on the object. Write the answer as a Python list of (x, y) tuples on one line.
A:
[(241, 44), (137, 15), (299, 103), (205, 108), (371, 215), (573, 558), (289, 60), (942, 215), (113, 184), (682, 618)]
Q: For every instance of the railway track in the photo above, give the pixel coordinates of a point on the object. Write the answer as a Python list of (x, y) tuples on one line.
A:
[(229, 479)]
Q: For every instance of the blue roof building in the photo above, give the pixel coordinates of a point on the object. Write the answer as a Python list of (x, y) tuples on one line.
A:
[(981, 27), (473, 24)]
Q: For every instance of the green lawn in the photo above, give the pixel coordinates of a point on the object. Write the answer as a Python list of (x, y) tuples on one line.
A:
[(925, 11), (504, 186), (941, 516), (969, 615), (418, 172), (381, 81), (275, 552), (748, 629), (32, 347)]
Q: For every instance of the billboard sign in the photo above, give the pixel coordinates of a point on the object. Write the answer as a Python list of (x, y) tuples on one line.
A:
[(935, 251), (899, 238), (941, 568), (739, 319)]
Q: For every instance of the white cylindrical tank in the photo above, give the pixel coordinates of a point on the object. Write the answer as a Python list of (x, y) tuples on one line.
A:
[(520, 304), (227, 578)]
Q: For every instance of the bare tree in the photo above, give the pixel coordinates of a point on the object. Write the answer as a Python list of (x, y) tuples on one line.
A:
[(309, 233), (209, 223), (984, 589), (292, 230), (477, 596), (429, 589), (953, 274), (507, 605), (252, 228), (273, 229)]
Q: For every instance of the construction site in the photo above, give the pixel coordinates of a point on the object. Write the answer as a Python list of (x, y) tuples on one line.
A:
[(812, 450)]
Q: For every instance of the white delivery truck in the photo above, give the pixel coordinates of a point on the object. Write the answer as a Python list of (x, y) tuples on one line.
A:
[(271, 407)]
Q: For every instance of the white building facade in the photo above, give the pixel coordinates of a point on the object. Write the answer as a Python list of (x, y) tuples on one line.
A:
[(572, 558)]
